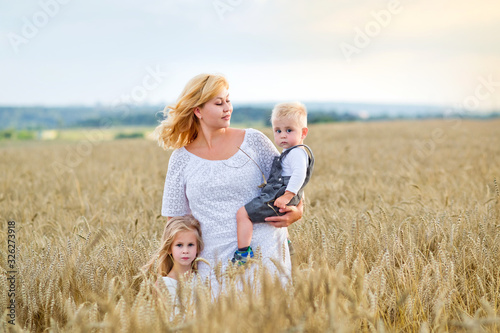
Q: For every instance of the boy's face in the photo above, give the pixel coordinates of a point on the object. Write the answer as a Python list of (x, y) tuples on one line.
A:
[(288, 133)]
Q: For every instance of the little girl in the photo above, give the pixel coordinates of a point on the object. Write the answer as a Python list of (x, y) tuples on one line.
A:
[(180, 245)]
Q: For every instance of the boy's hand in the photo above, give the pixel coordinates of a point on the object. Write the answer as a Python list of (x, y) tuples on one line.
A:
[(292, 214), (282, 201)]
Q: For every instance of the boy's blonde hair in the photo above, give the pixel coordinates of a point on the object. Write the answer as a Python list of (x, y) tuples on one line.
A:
[(164, 253), (181, 125), (290, 111)]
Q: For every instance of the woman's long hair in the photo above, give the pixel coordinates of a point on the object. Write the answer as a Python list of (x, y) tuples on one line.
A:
[(164, 254), (181, 125)]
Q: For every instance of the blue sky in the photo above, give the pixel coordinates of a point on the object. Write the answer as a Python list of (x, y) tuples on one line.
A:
[(62, 52)]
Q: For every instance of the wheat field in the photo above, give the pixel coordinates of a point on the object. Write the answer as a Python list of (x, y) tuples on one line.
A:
[(401, 233)]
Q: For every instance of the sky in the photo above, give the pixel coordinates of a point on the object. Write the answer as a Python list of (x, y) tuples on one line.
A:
[(70, 52)]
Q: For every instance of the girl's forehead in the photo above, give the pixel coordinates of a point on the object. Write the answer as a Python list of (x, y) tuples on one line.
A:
[(185, 234)]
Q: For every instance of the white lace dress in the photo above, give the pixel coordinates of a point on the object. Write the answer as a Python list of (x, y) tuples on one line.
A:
[(213, 191)]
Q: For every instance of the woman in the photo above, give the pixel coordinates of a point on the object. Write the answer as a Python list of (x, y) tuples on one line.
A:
[(211, 178)]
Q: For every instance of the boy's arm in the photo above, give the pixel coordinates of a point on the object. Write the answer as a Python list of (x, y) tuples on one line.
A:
[(282, 201), (296, 162)]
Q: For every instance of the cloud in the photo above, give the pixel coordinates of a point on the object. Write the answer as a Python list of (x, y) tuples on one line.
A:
[(91, 51)]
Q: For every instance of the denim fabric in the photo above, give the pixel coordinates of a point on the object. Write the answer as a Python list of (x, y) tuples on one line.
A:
[(263, 206)]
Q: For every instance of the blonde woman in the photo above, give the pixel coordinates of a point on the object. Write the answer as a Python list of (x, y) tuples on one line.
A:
[(211, 178)]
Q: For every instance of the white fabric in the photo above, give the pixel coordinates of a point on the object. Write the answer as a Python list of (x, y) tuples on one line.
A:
[(213, 191), (172, 287), (294, 164), (172, 291), (187, 297)]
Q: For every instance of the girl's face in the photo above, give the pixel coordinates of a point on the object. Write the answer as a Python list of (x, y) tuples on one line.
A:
[(216, 113), (184, 248)]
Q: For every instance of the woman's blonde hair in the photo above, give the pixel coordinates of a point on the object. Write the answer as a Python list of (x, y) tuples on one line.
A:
[(181, 125), (164, 253)]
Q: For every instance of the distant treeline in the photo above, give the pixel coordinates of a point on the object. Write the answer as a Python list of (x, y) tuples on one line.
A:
[(141, 118), (71, 117), (36, 118), (74, 117)]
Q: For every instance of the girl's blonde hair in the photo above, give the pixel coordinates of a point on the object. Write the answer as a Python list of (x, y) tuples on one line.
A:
[(181, 125), (164, 253)]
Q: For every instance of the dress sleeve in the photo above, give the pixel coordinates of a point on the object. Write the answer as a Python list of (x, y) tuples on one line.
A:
[(264, 149), (175, 202)]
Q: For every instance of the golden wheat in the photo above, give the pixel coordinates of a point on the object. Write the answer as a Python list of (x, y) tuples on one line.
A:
[(401, 233)]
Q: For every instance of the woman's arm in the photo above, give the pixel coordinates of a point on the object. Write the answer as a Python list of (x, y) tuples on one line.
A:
[(293, 214), (175, 202), (264, 151)]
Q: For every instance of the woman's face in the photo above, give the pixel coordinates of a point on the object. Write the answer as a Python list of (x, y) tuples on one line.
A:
[(216, 113)]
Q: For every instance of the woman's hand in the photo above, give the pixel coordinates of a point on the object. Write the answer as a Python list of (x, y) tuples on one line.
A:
[(292, 214)]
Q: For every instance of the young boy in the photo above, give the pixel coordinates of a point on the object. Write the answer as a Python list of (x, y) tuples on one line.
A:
[(290, 172)]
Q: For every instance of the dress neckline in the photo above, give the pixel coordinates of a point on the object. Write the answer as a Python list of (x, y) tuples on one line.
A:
[(227, 159), (168, 278)]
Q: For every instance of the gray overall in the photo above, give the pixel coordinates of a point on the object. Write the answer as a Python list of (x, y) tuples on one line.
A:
[(263, 206)]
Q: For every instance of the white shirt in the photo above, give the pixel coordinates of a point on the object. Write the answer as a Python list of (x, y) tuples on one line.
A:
[(171, 286), (294, 164)]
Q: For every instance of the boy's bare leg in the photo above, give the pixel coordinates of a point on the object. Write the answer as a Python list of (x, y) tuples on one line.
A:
[(244, 227)]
